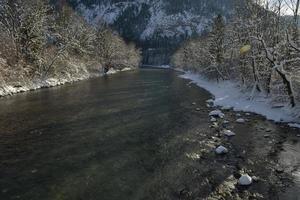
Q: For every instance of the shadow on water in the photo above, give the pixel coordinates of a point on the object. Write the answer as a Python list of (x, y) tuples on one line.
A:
[(98, 139)]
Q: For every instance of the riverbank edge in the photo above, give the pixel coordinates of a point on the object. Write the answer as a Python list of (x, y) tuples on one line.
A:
[(32, 85), (229, 95)]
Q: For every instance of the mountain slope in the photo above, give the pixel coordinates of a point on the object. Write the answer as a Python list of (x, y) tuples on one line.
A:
[(158, 26)]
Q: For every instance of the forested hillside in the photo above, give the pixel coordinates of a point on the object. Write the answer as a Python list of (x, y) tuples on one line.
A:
[(157, 26), (43, 45), (259, 49)]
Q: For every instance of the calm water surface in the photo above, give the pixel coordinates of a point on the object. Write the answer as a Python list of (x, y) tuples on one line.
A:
[(103, 138)]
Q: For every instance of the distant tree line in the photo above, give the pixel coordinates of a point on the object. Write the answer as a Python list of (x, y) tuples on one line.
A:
[(38, 41), (258, 48)]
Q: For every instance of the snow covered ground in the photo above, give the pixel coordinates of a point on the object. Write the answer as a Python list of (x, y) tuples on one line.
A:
[(6, 90), (229, 94)]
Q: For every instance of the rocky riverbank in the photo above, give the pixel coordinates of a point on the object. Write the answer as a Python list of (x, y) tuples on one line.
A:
[(245, 164)]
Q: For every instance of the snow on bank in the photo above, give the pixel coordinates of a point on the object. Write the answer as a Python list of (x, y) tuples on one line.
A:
[(163, 66), (6, 90), (229, 94)]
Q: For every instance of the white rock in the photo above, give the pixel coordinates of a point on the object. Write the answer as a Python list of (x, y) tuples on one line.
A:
[(217, 113), (241, 120), (213, 119), (210, 101), (215, 125), (245, 180), (228, 133), (221, 150), (248, 114), (238, 115), (225, 122)]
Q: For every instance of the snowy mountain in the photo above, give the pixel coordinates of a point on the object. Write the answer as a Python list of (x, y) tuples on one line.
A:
[(158, 26)]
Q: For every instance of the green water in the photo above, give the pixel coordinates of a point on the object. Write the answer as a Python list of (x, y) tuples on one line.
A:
[(107, 138)]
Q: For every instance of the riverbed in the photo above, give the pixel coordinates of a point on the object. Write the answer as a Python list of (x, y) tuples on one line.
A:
[(141, 134)]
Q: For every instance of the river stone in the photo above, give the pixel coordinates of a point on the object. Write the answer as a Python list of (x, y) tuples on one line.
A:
[(210, 101), (213, 119), (215, 125), (241, 120), (217, 113), (245, 180), (221, 150), (228, 133)]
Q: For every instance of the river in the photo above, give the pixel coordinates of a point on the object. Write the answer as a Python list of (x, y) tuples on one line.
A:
[(124, 136)]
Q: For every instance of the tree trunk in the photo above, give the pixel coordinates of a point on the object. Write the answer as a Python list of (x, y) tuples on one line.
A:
[(288, 85), (255, 75)]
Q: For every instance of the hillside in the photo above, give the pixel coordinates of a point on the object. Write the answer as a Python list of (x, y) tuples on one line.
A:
[(158, 26)]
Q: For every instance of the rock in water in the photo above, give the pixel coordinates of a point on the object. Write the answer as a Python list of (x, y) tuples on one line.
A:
[(245, 180), (228, 133), (213, 119), (221, 150), (225, 122), (215, 125), (241, 120), (210, 101), (217, 113)]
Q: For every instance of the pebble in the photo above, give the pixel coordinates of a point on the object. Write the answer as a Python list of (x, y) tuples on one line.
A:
[(215, 125), (213, 119), (217, 113), (198, 109), (238, 115), (248, 114), (209, 101), (221, 150), (225, 122), (228, 133), (266, 136), (194, 103), (298, 135), (279, 170), (241, 120), (245, 180)]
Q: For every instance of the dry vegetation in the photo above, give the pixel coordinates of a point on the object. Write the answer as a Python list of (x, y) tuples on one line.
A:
[(41, 44)]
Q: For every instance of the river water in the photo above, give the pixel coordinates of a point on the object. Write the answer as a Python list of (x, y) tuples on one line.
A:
[(109, 138), (95, 139)]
